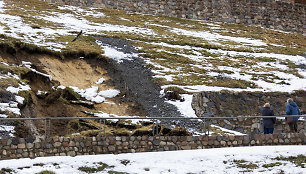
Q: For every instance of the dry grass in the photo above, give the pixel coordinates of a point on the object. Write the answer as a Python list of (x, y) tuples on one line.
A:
[(167, 57)]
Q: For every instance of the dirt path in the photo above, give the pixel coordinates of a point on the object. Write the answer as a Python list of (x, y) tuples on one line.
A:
[(133, 76)]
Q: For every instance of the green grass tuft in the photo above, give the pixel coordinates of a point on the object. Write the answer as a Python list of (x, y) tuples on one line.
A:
[(299, 160), (46, 172)]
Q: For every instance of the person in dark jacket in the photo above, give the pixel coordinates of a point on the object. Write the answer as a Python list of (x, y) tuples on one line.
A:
[(292, 109), (268, 123)]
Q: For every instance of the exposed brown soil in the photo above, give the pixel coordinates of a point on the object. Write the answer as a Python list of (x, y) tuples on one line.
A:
[(69, 72)]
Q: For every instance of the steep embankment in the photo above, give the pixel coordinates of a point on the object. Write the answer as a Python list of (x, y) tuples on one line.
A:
[(180, 54), (49, 98)]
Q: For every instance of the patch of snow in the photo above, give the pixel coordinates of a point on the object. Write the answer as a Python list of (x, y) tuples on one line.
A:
[(19, 99), (185, 106), (8, 129), (296, 59), (28, 65), (100, 81), (229, 131), (113, 53), (3, 116), (110, 93), (215, 36), (106, 115), (166, 77), (15, 90), (200, 88), (39, 92), (10, 107), (216, 160), (93, 95)]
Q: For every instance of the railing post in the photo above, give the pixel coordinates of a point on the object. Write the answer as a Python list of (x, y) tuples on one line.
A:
[(49, 130), (45, 129), (208, 126), (100, 127), (104, 128), (156, 127), (153, 129)]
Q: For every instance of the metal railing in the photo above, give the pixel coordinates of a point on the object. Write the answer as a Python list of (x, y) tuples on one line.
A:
[(205, 120)]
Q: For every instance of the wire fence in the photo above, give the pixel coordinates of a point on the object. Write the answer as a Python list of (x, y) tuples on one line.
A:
[(155, 121)]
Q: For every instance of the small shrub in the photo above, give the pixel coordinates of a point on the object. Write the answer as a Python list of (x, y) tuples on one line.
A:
[(115, 172), (175, 89), (88, 169), (46, 172), (271, 165), (125, 162), (299, 160), (95, 169), (39, 164), (7, 170), (242, 164), (233, 83)]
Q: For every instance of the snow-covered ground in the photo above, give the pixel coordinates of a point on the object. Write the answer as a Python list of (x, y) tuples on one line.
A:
[(218, 160), (280, 76)]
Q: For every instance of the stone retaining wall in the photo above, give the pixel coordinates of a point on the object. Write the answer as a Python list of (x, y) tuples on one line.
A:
[(229, 104), (276, 14), (67, 146), (233, 104)]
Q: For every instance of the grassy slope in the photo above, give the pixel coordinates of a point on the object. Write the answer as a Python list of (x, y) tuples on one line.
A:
[(165, 60)]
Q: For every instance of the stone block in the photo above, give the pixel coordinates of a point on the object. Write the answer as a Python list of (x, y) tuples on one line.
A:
[(156, 142), (231, 137), (37, 145), (163, 143), (101, 143), (143, 143), (15, 141), (29, 140), (61, 139), (186, 147), (57, 144), (9, 142), (13, 146), (25, 154), (71, 153), (111, 148), (21, 146), (30, 145), (71, 144), (132, 138), (204, 143)]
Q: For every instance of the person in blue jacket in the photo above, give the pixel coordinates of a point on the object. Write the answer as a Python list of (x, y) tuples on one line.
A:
[(292, 109), (268, 123)]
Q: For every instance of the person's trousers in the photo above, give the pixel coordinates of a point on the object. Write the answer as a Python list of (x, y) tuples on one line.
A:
[(268, 130), (293, 127)]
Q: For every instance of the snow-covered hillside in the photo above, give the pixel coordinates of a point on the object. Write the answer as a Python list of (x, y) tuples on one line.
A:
[(193, 55)]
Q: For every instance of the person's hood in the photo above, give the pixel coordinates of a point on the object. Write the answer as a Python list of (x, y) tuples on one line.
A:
[(293, 104)]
